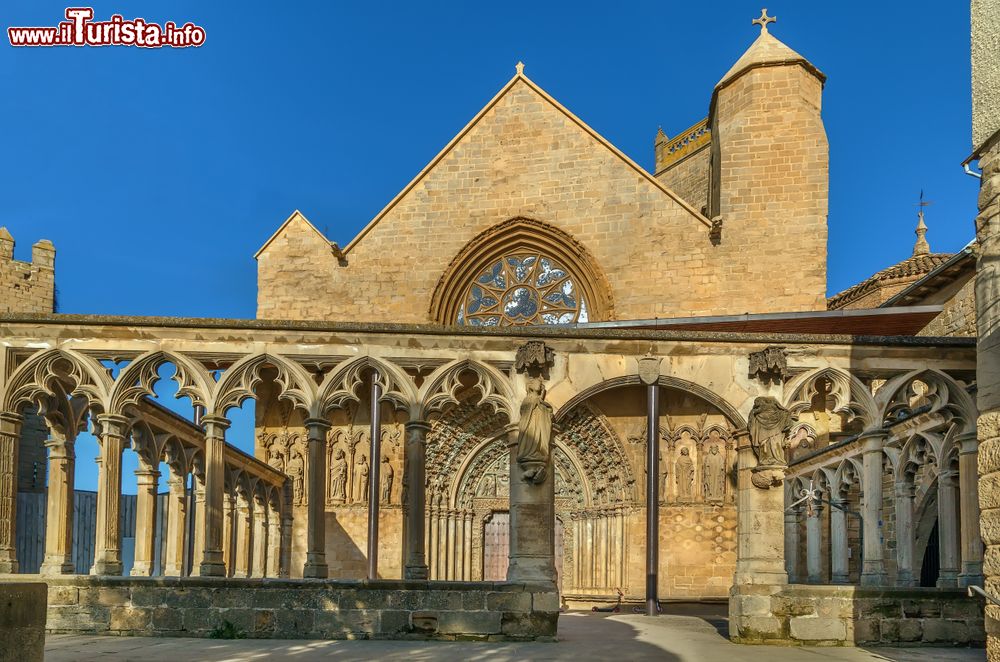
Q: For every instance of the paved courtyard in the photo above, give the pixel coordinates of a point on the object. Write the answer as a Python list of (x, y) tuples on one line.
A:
[(696, 636)]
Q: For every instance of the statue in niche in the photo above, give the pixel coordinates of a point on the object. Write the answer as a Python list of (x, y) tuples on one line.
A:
[(768, 424), (361, 482), (385, 476), (685, 474), (296, 471), (487, 486), (534, 432), (275, 458), (338, 476), (713, 473)]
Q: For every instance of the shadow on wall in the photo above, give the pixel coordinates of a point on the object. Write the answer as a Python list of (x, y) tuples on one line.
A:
[(343, 556)]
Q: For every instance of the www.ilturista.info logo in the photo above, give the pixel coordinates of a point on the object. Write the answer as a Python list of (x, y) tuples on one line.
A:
[(81, 30)]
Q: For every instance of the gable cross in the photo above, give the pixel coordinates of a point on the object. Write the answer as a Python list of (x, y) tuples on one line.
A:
[(764, 20)]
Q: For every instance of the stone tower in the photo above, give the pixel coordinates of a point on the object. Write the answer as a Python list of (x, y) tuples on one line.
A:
[(769, 173), (27, 287)]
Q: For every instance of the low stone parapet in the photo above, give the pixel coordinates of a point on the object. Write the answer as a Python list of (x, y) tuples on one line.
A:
[(300, 608), (22, 621), (808, 615)]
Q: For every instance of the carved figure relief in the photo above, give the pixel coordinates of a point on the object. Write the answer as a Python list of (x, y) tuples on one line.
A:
[(361, 480), (713, 473), (534, 432), (295, 468), (338, 476), (768, 423), (684, 473), (386, 476)]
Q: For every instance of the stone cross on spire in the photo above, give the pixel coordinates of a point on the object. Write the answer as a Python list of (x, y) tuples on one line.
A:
[(921, 247), (764, 20)]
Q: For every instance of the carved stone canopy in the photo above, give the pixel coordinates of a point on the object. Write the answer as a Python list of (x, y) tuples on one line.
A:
[(534, 358), (769, 364)]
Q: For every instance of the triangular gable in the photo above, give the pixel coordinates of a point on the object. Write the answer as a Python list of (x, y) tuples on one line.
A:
[(519, 76), (295, 215)]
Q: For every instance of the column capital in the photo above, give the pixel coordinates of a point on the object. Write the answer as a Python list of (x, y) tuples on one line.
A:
[(10, 418), (873, 440), (968, 442), (417, 425), (147, 474), (113, 424), (215, 420), (321, 423), (904, 489)]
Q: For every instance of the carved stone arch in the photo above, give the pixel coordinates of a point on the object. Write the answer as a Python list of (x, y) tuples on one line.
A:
[(145, 443), (586, 433), (848, 473), (918, 451), (342, 386), (137, 379), (946, 397), (521, 235), (730, 412), (851, 397), (174, 456), (441, 389), (57, 373), (237, 383)]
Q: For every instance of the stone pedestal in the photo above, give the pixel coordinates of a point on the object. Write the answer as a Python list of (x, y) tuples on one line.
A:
[(532, 524), (760, 529)]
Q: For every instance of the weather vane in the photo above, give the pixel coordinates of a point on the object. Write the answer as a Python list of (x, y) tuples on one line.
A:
[(764, 20)]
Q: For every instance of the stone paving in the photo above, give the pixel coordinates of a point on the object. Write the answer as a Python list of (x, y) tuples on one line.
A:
[(583, 636)]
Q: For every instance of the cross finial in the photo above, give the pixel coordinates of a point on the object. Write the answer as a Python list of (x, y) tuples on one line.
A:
[(519, 68), (764, 20)]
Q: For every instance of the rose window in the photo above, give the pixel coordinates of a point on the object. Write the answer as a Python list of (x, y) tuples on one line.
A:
[(523, 289)]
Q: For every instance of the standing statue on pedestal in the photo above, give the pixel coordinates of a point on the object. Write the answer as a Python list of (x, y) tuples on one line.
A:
[(685, 474), (296, 470), (713, 473), (338, 476), (768, 425), (386, 475), (362, 482), (534, 432)]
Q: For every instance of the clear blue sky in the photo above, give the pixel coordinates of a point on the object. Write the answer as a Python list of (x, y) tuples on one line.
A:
[(159, 173)]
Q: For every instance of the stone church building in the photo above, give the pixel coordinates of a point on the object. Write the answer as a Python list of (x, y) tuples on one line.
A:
[(530, 227)]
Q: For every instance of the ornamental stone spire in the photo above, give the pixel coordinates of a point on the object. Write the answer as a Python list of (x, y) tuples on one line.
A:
[(921, 247)]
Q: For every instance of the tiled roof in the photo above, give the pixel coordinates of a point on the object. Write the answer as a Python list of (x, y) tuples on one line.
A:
[(912, 267)]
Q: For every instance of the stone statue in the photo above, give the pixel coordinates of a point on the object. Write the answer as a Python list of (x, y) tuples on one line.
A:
[(338, 476), (768, 424), (361, 484), (534, 432), (685, 474), (713, 473), (296, 470), (385, 475), (276, 459)]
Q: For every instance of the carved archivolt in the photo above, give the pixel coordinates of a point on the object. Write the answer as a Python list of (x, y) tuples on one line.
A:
[(508, 249)]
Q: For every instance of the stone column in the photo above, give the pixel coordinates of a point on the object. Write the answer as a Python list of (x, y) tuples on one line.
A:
[(244, 529), (198, 543), (315, 565), (286, 543), (228, 515), (760, 531), (210, 561), (532, 523), (968, 491), (59, 508), (414, 468), (10, 435), (792, 539), (948, 535), (274, 550), (259, 538), (107, 542), (905, 534), (839, 572), (176, 530), (814, 544), (147, 478), (873, 568)]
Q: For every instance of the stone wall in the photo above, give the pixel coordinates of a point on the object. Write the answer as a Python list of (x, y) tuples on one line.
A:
[(849, 615), (959, 315), (22, 621), (688, 177), (27, 287), (526, 158), (300, 609)]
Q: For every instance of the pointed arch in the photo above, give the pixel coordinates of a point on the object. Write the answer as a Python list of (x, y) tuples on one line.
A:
[(442, 386), (947, 396), (137, 379), (57, 372), (239, 381), (521, 235), (851, 397), (341, 386)]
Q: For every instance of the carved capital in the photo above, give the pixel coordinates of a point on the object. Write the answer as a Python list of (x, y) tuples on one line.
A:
[(769, 364), (649, 369)]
